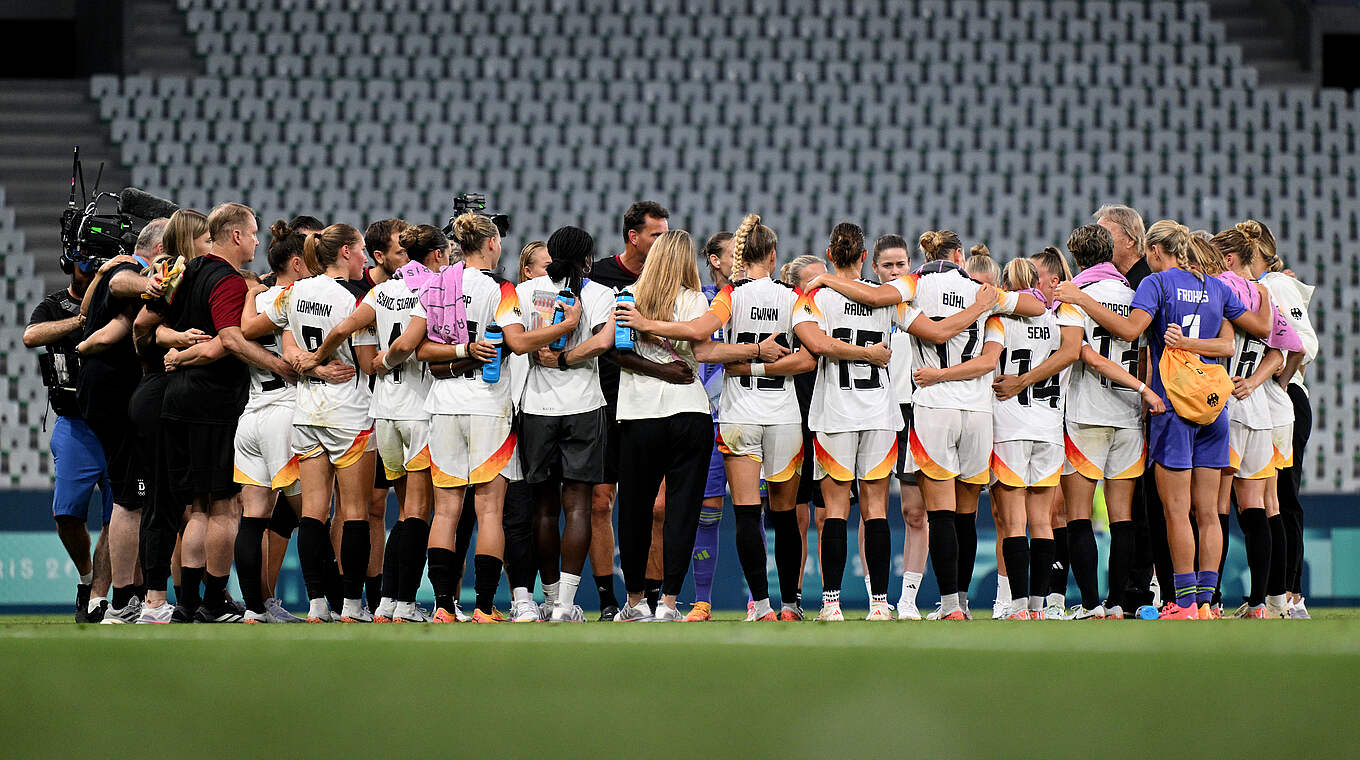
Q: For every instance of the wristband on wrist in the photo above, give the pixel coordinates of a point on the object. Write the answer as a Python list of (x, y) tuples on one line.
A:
[(758, 370), (386, 366), (460, 351), (562, 360), (1142, 387)]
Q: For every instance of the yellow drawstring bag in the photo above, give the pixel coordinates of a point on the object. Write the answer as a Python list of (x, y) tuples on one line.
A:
[(1198, 390)]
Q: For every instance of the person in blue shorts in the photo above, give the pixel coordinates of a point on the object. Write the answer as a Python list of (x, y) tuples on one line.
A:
[(1179, 307)]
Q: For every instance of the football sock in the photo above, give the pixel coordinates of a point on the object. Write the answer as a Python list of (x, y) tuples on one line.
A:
[(604, 585), (949, 603), (488, 577), (833, 544), (1041, 553), (414, 540), (651, 591), (392, 559), (354, 548), (551, 590), (214, 591), (705, 557), (373, 594), (788, 553), (1187, 586), (944, 550), (1015, 549), (1081, 540), (121, 596), (250, 559), (1275, 579), (1062, 553), (751, 550), (311, 543), (1256, 538), (190, 579), (1003, 585), (878, 552), (330, 569), (1208, 581), (911, 584), (442, 574), (521, 594), (966, 528), (1122, 538), (566, 590), (87, 579)]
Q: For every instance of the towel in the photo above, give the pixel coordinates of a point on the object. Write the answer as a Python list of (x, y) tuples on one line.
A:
[(1105, 271), (445, 312), (1282, 335)]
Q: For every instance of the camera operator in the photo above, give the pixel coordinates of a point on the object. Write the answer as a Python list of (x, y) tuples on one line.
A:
[(76, 453), (106, 383)]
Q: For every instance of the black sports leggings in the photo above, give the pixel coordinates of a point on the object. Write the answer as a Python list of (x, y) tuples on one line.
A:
[(676, 448), (1287, 489)]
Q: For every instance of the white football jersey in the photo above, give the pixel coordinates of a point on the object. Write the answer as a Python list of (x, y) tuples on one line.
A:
[(943, 291), (1036, 413), (1292, 298), (751, 311), (267, 387), (549, 390), (1254, 410), (851, 396), (1093, 399), (487, 301), (310, 309), (399, 394), (899, 367)]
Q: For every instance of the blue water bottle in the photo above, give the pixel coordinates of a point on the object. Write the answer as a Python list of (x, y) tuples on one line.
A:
[(1147, 612), (491, 371), (623, 336), (564, 299)]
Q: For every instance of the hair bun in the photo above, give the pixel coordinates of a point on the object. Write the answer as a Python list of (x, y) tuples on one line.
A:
[(980, 249), (929, 242), (1250, 229), (280, 229)]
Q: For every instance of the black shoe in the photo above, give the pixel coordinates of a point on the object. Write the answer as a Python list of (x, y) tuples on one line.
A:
[(607, 614), (83, 604), (238, 607), (181, 615), (224, 614)]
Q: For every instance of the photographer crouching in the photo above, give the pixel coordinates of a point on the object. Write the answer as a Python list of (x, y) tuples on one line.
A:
[(77, 455)]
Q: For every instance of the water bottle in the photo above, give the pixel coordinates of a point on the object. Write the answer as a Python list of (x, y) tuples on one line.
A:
[(1147, 612), (623, 336), (564, 299), (491, 371)]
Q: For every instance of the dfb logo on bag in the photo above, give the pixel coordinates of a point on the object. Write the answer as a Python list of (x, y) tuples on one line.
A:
[(1213, 399)]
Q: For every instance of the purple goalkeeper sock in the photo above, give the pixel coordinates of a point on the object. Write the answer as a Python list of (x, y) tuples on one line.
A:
[(705, 558), (1208, 581), (1187, 586)]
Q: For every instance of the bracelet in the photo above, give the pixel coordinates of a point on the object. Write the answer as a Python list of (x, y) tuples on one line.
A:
[(386, 366), (562, 360), (1142, 387), (756, 346), (460, 350), (758, 370)]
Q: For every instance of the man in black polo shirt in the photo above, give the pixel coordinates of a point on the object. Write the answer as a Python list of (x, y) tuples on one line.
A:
[(107, 380), (77, 455), (643, 223)]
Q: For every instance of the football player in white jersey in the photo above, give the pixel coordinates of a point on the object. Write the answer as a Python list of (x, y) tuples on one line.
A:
[(1027, 453), (854, 413), (472, 441), (760, 432), (1103, 431), (400, 423), (1251, 450), (952, 408), (562, 432), (332, 427)]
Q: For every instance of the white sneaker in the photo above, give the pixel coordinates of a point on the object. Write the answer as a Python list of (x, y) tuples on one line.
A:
[(524, 612), (255, 617), (1277, 606), (831, 613), (906, 610), (277, 614), (1296, 612), (573, 614), (320, 612), (935, 615), (161, 614), (1081, 613), (1116, 612), (127, 614), (1156, 589), (879, 611), (1001, 609), (1055, 612), (629, 613), (963, 605), (458, 613), (355, 612), (386, 606), (665, 614)]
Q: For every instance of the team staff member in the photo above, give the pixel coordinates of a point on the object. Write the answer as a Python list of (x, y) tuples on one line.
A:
[(106, 383), (77, 456)]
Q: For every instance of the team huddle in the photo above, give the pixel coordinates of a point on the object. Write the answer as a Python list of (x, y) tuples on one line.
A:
[(532, 410)]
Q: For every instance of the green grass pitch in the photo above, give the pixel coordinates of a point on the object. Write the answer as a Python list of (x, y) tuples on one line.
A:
[(724, 689)]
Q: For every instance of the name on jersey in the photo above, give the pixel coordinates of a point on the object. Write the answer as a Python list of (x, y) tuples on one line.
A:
[(397, 304), (856, 309), (313, 308), (954, 299), (1192, 296), (767, 313), (1118, 308), (1038, 332)]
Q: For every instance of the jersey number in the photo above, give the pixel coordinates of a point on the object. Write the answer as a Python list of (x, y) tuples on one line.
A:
[(1128, 358), (1044, 390), (472, 335), (312, 338), (270, 343), (394, 374), (759, 383), (1246, 361), (859, 338), (942, 349)]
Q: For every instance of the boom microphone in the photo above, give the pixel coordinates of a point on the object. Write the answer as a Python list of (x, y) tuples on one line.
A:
[(144, 205)]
